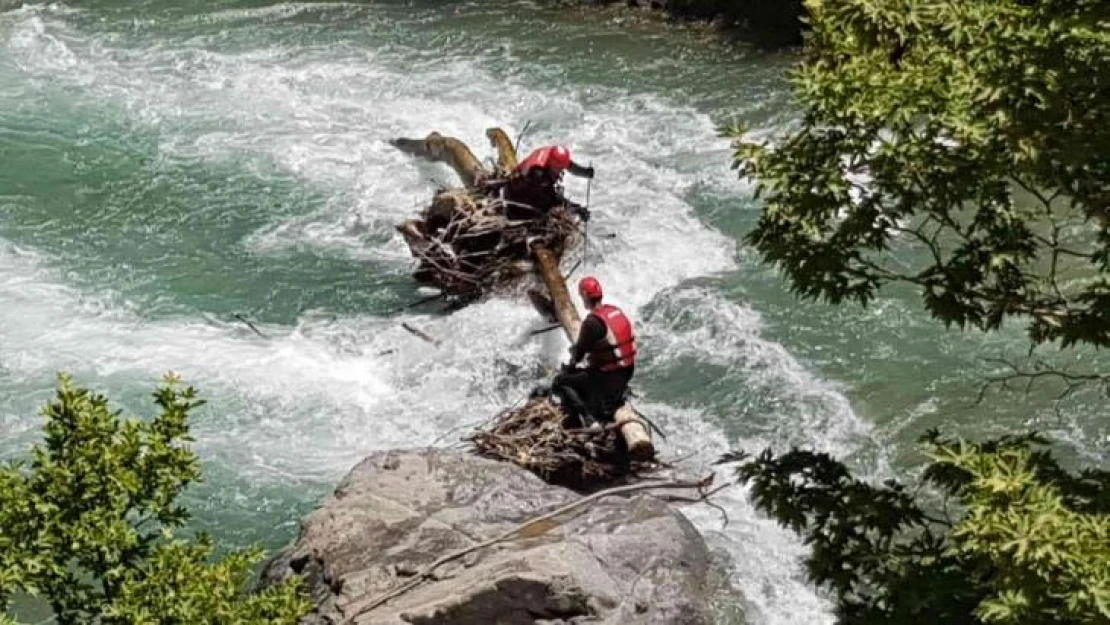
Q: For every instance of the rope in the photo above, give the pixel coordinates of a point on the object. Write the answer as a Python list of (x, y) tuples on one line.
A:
[(585, 233), (585, 245), (586, 226)]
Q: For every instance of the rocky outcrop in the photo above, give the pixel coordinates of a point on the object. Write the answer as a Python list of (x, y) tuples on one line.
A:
[(618, 560)]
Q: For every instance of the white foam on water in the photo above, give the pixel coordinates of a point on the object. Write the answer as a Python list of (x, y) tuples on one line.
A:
[(309, 401), (766, 557), (31, 45), (696, 323), (50, 326), (325, 391), (271, 13), (328, 121)]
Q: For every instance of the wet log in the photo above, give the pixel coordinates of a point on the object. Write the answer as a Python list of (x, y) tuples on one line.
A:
[(635, 432), (440, 149), (506, 152), (565, 311)]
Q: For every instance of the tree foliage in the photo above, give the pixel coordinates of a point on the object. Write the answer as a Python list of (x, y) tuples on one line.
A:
[(88, 524), (977, 132), (962, 148), (1029, 544)]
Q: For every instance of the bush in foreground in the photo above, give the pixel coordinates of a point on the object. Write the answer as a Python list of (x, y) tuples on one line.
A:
[(1009, 538), (87, 525)]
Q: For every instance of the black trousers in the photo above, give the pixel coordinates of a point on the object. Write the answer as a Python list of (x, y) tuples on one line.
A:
[(597, 393)]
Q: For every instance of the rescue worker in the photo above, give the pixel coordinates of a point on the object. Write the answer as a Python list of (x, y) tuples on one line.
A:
[(553, 159), (608, 344), (536, 182)]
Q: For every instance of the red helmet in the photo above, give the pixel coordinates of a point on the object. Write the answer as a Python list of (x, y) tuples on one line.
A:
[(589, 288), (558, 158), (554, 158)]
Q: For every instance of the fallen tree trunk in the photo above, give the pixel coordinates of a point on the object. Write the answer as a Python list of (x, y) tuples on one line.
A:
[(565, 311), (634, 431), (440, 149)]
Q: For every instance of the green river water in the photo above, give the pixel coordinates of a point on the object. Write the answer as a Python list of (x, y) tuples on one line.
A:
[(167, 165)]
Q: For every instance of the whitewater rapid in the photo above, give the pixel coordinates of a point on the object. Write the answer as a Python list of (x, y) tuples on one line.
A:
[(303, 404)]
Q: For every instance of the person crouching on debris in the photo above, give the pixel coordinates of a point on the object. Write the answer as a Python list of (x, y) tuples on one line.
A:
[(535, 183), (607, 342)]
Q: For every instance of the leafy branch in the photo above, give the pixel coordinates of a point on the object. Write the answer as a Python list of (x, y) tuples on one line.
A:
[(1030, 543), (997, 175), (89, 523)]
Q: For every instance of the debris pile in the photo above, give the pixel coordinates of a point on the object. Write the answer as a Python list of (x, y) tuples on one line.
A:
[(536, 437), (468, 243), (480, 237)]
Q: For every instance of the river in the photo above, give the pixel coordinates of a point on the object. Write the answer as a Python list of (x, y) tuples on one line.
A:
[(167, 165)]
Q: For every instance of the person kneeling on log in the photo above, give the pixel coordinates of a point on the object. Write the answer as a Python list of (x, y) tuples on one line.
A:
[(607, 342), (535, 183)]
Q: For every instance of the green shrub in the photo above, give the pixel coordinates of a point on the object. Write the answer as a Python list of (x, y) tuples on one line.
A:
[(88, 524)]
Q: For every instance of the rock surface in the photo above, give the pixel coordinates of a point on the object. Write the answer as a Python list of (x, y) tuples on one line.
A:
[(618, 560)]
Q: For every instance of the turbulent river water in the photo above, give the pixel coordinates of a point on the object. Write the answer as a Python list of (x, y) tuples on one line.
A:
[(167, 165)]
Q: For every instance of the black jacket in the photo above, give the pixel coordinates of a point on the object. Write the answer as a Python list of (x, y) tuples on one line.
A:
[(591, 336)]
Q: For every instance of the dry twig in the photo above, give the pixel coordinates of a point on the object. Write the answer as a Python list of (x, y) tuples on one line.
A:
[(472, 241), (420, 333), (533, 436)]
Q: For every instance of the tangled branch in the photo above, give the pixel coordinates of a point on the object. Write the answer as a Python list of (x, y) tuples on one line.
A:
[(533, 436), (472, 241)]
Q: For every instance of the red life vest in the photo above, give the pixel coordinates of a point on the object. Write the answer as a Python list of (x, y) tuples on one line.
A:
[(554, 157), (619, 351)]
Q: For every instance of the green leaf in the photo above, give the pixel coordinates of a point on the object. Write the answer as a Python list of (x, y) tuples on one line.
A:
[(88, 524)]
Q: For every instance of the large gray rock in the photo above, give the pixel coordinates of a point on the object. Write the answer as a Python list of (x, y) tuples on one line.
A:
[(619, 560)]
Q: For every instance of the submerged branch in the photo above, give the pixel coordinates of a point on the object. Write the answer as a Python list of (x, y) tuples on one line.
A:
[(1042, 371)]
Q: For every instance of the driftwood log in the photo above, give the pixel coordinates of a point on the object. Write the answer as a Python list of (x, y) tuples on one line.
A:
[(440, 149)]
